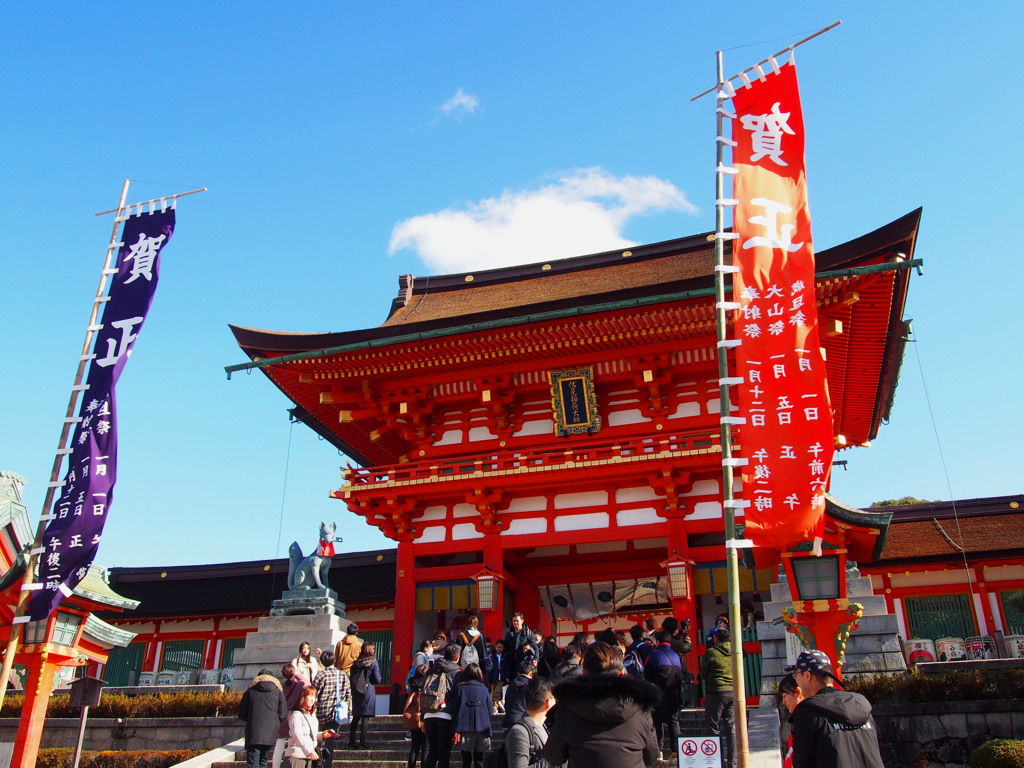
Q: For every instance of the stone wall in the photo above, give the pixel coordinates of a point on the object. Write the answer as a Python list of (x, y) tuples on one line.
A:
[(129, 733), (946, 731), (873, 648)]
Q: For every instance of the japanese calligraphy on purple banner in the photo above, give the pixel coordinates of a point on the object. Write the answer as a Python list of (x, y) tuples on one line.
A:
[(73, 533), (788, 437)]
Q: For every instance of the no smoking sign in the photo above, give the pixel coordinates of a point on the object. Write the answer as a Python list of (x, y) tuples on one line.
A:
[(700, 752)]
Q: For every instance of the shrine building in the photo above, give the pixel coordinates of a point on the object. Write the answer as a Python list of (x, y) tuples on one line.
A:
[(546, 438)]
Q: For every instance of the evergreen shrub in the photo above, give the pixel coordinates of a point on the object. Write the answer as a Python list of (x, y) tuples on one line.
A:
[(223, 704), (961, 685), (145, 758), (998, 753)]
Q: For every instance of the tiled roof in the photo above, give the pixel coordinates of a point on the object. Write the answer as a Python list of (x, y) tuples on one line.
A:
[(932, 531)]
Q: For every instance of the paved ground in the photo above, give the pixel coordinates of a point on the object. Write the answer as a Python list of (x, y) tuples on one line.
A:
[(763, 735)]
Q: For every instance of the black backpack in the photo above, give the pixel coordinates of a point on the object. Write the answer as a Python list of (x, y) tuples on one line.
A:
[(498, 758)]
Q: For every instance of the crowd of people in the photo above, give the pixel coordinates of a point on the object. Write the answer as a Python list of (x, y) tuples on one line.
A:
[(610, 699), (294, 721)]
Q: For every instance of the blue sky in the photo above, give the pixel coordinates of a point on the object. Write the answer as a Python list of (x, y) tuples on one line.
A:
[(346, 143)]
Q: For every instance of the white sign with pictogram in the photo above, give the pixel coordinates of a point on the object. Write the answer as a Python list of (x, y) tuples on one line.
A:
[(700, 752)]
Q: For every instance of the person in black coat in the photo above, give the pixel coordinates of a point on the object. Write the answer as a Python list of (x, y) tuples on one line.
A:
[(832, 728), (473, 719), (263, 707), (363, 675), (520, 643), (515, 694), (604, 717)]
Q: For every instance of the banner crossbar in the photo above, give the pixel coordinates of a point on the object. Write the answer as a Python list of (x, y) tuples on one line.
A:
[(770, 59)]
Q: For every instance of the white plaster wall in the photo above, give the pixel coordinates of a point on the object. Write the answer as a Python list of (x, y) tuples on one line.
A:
[(686, 410), (632, 495), (477, 434), (1003, 572), (582, 522), (705, 510), (538, 427), (526, 525), (464, 510), (644, 516), (246, 623), (205, 625), (929, 579), (464, 531), (432, 513), (703, 488), (431, 533), (450, 437), (528, 504), (618, 418), (586, 499)]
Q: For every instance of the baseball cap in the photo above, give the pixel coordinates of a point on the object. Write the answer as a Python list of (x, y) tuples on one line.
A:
[(814, 661)]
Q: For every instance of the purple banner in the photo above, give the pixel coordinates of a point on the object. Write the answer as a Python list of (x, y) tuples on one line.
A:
[(73, 535)]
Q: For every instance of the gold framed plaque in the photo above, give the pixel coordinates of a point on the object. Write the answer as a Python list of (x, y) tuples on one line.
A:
[(573, 402)]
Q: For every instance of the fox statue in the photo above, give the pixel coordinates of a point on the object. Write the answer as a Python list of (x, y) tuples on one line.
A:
[(310, 572)]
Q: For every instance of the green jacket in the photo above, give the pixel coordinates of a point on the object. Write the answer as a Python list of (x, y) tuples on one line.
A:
[(716, 667)]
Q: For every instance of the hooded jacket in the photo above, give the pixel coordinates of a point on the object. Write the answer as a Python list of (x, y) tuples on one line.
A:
[(262, 708), (716, 667), (834, 729), (604, 721)]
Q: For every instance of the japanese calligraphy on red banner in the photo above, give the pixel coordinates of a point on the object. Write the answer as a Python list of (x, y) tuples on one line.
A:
[(787, 437)]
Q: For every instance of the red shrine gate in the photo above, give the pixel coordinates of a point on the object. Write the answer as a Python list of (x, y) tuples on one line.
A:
[(545, 438)]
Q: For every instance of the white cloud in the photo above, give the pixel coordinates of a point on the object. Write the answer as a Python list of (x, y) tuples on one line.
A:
[(461, 104), (583, 212)]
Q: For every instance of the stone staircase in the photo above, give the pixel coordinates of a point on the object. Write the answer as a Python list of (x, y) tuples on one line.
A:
[(389, 749)]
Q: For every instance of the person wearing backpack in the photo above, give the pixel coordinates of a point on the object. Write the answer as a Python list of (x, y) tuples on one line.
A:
[(412, 719), (639, 643), (363, 675), (664, 668), (472, 649), (438, 701), (525, 739)]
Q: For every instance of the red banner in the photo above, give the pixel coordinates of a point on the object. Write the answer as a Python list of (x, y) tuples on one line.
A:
[(787, 437)]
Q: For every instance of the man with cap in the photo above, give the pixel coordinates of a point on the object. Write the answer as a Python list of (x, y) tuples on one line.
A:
[(832, 728)]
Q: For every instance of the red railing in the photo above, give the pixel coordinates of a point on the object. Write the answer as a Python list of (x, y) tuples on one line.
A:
[(628, 450)]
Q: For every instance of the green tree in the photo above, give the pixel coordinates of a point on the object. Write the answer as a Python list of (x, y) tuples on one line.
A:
[(900, 502)]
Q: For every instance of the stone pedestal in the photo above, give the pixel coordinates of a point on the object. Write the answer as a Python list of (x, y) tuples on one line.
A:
[(277, 639), (873, 648), (306, 602)]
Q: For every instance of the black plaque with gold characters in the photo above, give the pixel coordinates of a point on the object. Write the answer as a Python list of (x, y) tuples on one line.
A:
[(573, 402)]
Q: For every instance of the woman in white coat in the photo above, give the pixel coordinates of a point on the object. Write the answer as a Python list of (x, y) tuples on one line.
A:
[(303, 736)]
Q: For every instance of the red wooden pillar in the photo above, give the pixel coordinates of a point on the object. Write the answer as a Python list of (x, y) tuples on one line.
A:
[(33, 711), (494, 561), (405, 612)]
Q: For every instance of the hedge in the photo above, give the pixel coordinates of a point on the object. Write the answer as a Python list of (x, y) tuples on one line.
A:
[(223, 704), (144, 758), (961, 685), (998, 753)]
